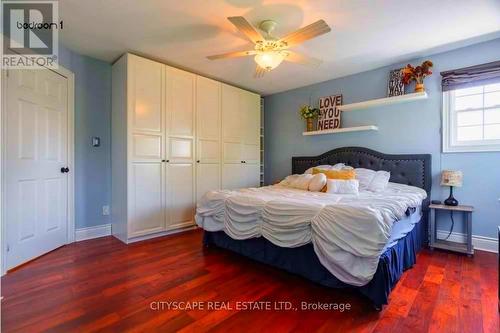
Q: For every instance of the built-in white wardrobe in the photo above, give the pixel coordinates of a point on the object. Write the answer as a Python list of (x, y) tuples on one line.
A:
[(175, 136)]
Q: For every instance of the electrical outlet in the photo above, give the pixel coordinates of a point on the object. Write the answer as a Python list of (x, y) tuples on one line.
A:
[(105, 210)]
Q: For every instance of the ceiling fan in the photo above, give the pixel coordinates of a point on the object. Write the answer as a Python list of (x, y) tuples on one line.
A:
[(270, 51)]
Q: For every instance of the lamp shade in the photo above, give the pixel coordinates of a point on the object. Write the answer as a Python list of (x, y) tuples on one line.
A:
[(269, 59), (451, 178)]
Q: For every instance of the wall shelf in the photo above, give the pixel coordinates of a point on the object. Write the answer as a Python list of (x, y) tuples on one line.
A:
[(343, 130), (384, 101)]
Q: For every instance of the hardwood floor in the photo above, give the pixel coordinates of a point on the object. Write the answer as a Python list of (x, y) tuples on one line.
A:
[(104, 285)]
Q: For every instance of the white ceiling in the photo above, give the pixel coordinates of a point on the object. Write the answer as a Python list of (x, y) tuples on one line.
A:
[(366, 34)]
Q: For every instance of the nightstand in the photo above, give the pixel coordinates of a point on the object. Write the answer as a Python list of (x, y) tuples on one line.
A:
[(466, 247)]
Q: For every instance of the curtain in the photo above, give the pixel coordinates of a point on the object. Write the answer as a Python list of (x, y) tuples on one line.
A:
[(471, 76)]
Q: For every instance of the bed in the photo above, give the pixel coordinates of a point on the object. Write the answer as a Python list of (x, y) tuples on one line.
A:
[(372, 266)]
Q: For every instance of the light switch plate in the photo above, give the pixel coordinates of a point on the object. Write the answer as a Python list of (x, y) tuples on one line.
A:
[(105, 210)]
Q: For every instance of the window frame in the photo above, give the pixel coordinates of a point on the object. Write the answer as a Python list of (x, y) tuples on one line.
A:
[(449, 130)]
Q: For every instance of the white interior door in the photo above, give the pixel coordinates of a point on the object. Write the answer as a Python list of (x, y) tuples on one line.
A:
[(36, 150)]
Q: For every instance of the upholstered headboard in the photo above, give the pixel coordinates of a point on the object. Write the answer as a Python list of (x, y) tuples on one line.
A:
[(409, 169)]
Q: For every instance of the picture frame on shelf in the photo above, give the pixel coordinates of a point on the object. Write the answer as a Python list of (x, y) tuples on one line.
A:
[(395, 86)]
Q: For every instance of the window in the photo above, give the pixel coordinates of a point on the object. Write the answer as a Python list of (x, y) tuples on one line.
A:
[(471, 119)]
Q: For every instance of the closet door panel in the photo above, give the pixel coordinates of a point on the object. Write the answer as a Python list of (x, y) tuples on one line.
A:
[(180, 102), (180, 185), (233, 152), (231, 114), (208, 118), (208, 151), (146, 147), (252, 175), (208, 108), (207, 178), (233, 176), (251, 153), (250, 109), (180, 150), (146, 201), (146, 94)]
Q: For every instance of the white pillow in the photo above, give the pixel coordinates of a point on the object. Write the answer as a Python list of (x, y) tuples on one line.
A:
[(301, 182), (338, 166), (310, 170), (379, 181), (341, 186), (365, 177), (288, 180), (317, 182)]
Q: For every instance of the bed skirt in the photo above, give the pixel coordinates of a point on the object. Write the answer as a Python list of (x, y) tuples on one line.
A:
[(304, 262)]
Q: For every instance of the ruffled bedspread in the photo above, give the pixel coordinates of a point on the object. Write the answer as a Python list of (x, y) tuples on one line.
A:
[(348, 232)]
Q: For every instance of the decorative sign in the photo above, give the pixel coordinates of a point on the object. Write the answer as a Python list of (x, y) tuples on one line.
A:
[(329, 114), (396, 86)]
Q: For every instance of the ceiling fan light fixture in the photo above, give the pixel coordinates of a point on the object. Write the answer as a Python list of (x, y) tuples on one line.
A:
[(270, 60)]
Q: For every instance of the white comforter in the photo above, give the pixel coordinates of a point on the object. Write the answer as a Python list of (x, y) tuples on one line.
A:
[(348, 232)]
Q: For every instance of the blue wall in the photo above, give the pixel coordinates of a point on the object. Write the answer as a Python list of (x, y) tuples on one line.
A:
[(92, 118), (406, 128)]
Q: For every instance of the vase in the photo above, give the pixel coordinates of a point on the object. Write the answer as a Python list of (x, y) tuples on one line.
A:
[(309, 124), (419, 87)]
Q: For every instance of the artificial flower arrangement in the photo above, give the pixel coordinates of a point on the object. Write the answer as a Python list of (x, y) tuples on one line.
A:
[(309, 113), (417, 74)]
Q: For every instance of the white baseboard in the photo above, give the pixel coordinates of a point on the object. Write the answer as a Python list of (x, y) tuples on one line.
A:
[(162, 233), (480, 242), (93, 232)]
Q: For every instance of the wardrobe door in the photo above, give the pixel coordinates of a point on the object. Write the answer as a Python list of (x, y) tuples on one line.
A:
[(208, 135), (250, 109), (146, 138), (231, 125), (234, 176), (180, 123), (251, 175)]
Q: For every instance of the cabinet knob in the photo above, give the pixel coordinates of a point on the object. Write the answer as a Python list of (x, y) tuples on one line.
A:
[(197, 161), (163, 161)]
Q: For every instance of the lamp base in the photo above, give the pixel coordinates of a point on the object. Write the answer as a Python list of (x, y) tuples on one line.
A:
[(451, 201)]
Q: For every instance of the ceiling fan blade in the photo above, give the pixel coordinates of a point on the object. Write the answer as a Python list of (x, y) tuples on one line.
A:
[(259, 72), (302, 59), (246, 28), (232, 55), (308, 32)]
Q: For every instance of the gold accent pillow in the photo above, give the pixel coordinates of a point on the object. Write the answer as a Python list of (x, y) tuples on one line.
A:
[(336, 174)]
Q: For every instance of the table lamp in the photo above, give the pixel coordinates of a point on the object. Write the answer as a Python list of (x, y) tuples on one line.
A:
[(451, 178)]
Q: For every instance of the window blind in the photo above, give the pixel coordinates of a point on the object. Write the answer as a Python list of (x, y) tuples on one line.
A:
[(471, 76)]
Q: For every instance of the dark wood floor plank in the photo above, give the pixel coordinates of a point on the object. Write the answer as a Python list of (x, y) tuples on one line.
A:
[(103, 285)]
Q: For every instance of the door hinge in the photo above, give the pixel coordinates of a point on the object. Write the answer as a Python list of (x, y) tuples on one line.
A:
[(7, 72), (8, 247)]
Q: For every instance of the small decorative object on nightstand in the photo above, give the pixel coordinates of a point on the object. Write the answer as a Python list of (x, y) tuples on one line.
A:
[(466, 247)]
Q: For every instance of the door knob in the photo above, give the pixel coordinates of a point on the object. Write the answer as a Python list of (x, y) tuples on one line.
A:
[(64, 170)]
